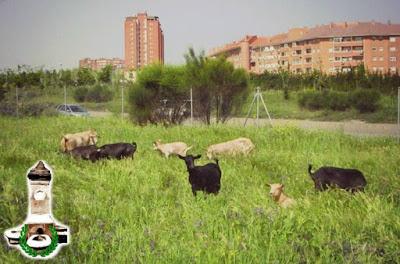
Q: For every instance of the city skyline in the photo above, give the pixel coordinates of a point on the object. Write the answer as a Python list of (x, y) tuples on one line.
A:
[(45, 33)]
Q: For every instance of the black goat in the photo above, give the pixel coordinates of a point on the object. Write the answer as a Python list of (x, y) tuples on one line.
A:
[(116, 150), (349, 179), (85, 152), (205, 178)]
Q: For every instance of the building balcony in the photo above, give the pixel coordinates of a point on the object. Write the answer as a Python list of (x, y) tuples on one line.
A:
[(352, 63), (349, 43)]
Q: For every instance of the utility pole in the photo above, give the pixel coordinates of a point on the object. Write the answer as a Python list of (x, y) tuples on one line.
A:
[(65, 88), (191, 106), (16, 98), (122, 99)]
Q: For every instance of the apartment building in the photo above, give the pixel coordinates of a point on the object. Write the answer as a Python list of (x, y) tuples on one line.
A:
[(332, 48), (144, 41), (98, 64)]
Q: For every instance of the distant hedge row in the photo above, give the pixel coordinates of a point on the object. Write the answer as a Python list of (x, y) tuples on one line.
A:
[(364, 100), (97, 93)]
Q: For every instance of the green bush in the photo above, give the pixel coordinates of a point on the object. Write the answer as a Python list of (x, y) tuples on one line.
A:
[(80, 94), (99, 93), (37, 109), (313, 100), (3, 92), (338, 101), (365, 100)]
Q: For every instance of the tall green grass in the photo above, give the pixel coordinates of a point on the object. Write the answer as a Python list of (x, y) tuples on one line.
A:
[(278, 107), (142, 210)]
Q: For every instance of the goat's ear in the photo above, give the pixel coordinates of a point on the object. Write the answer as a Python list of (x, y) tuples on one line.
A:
[(181, 157), (282, 186), (197, 157)]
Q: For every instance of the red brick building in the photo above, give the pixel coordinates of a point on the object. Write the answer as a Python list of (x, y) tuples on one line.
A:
[(337, 47), (98, 64), (144, 41)]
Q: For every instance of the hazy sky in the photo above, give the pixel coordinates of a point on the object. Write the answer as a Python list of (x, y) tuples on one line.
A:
[(54, 32)]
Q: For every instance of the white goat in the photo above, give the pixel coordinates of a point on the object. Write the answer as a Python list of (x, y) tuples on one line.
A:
[(277, 194), (176, 148), (232, 147)]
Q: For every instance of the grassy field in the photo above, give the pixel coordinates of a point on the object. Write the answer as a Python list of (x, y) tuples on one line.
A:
[(277, 106), (142, 210), (280, 108)]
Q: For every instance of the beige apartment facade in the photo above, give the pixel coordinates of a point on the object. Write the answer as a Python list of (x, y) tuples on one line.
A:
[(144, 41), (98, 64), (337, 47)]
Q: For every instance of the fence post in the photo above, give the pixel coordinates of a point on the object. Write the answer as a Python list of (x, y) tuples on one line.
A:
[(16, 98), (65, 94), (398, 114), (191, 106), (122, 100)]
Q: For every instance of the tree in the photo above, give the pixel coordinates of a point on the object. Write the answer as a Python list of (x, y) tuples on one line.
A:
[(217, 86), (66, 78), (197, 79), (104, 75), (85, 77), (158, 95)]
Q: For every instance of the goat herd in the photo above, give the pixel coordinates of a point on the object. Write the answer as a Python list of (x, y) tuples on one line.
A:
[(207, 178)]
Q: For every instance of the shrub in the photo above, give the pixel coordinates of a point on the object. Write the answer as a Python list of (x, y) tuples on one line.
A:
[(80, 94), (7, 108), (3, 92), (36, 109), (28, 109), (338, 101), (313, 100), (365, 100), (99, 93)]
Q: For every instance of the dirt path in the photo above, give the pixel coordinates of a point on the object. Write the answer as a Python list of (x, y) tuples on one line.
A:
[(353, 127)]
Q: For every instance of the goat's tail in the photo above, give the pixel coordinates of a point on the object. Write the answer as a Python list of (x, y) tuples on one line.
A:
[(309, 169)]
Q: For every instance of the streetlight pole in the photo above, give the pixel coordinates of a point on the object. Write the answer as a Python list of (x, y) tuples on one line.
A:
[(65, 88), (122, 82), (191, 106), (122, 101), (16, 98), (398, 113)]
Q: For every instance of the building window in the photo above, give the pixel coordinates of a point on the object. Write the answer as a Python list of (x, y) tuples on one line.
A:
[(380, 48), (393, 69), (392, 49), (374, 59), (380, 58), (358, 38), (392, 58), (373, 48), (374, 69), (308, 60), (392, 39)]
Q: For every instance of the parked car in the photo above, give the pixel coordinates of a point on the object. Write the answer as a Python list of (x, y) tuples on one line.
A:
[(72, 110)]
